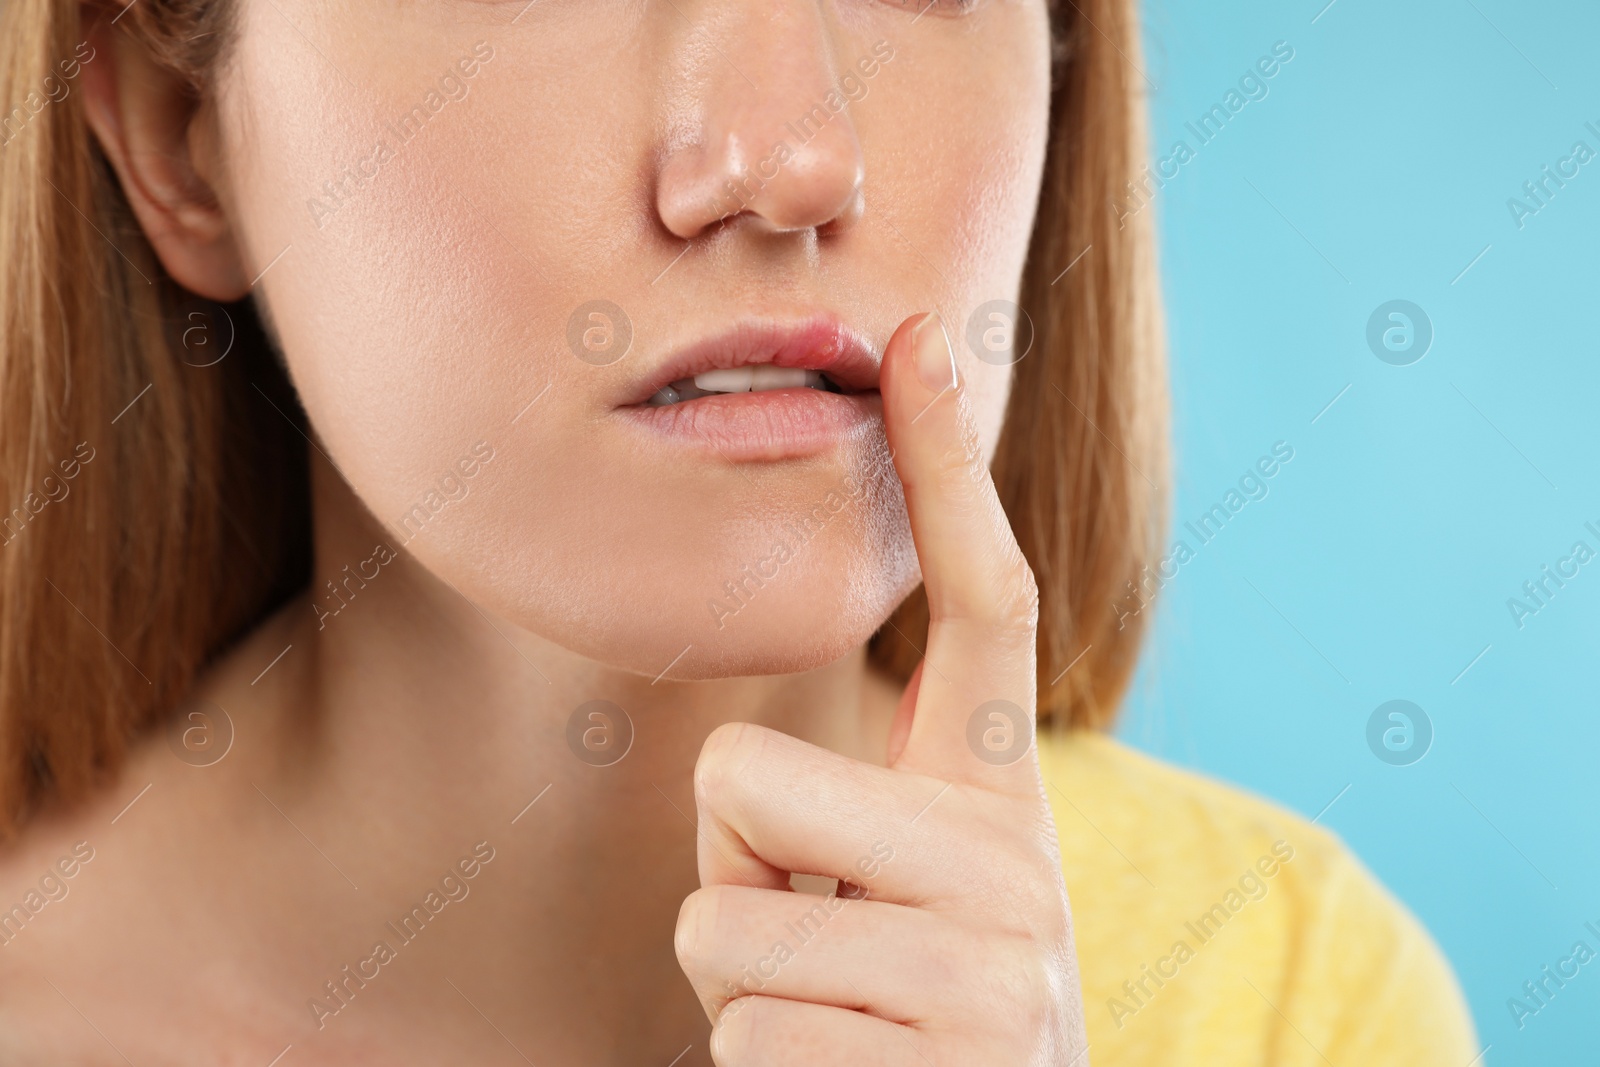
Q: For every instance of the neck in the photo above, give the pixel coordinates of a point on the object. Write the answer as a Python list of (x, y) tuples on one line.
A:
[(429, 726)]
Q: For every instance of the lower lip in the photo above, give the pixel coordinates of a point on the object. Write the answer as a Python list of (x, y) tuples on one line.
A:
[(771, 425)]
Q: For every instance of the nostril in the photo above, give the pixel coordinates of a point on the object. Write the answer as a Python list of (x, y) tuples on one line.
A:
[(766, 158), (689, 196), (816, 186), (847, 217)]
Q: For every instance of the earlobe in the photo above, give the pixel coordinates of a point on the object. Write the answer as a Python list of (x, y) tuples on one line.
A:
[(143, 115)]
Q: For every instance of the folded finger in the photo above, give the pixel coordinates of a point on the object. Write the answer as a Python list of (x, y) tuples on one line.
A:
[(769, 804), (905, 964), (765, 1031)]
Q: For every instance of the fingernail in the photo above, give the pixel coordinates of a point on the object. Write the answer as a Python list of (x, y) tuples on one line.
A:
[(936, 361)]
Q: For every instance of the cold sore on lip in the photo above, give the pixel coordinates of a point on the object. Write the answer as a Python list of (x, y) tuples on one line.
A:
[(763, 391)]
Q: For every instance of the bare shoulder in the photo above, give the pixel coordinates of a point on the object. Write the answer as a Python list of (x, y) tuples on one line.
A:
[(106, 905), (41, 878)]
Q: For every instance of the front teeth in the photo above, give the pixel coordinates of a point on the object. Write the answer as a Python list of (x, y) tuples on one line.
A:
[(750, 379), (754, 379)]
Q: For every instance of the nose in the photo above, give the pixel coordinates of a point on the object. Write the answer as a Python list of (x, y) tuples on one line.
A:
[(769, 135)]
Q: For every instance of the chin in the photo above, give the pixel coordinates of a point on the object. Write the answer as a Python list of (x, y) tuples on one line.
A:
[(687, 619), (784, 633)]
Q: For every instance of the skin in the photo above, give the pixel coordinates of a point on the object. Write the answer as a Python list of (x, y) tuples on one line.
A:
[(424, 724)]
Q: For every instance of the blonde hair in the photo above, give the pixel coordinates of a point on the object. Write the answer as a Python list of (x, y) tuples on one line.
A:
[(189, 514), (1082, 461)]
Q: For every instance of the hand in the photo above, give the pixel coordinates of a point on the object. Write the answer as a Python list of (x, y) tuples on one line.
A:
[(949, 942)]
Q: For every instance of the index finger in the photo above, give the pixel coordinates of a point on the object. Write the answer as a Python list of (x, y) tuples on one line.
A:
[(974, 714)]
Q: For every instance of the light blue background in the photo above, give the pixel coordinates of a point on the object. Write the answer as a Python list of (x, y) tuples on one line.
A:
[(1379, 167)]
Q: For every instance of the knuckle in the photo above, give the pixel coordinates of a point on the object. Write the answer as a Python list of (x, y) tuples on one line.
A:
[(1018, 598), (1018, 986), (686, 935), (726, 752), (1023, 888), (1042, 894), (1001, 594), (1011, 592), (958, 459), (737, 1030), (697, 924), (958, 474), (1036, 1000)]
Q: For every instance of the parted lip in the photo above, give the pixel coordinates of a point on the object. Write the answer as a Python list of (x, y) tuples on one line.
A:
[(818, 342)]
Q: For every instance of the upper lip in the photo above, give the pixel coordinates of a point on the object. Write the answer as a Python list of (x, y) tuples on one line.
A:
[(820, 343)]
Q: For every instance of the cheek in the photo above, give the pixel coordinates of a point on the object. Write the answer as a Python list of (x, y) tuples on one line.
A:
[(954, 197), (421, 292), (428, 273)]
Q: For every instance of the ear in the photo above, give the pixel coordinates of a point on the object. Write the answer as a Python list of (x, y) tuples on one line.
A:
[(150, 128)]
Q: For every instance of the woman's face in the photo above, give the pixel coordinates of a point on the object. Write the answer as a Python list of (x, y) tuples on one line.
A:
[(503, 225)]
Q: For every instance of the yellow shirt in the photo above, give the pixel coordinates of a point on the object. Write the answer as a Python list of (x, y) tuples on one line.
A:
[(1216, 929)]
